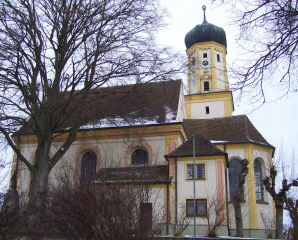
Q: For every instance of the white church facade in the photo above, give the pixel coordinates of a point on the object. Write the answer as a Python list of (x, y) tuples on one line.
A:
[(185, 146)]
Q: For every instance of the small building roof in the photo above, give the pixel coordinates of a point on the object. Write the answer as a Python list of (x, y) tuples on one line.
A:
[(203, 147), (234, 129), (140, 174)]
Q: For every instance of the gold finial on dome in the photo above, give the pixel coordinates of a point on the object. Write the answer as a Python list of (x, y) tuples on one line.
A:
[(204, 9)]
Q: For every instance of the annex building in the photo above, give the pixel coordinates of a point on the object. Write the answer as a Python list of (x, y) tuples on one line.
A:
[(185, 145)]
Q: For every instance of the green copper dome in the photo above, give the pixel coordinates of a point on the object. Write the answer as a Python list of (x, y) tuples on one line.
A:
[(205, 32)]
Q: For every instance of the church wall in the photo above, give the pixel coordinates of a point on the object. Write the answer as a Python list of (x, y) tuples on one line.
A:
[(261, 211), (158, 200), (116, 152), (221, 84), (192, 73), (221, 81), (221, 101), (215, 109), (205, 189)]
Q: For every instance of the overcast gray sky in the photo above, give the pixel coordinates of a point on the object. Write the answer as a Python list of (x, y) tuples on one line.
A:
[(276, 121)]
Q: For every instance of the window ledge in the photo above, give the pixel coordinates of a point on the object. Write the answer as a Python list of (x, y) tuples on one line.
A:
[(262, 202), (242, 201), (203, 179)]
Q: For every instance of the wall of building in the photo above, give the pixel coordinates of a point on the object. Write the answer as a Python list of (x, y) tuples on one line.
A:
[(256, 214)]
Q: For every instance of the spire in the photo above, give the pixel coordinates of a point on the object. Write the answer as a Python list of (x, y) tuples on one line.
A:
[(204, 9)]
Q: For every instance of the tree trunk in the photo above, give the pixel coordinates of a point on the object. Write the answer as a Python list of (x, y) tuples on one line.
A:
[(279, 220), (10, 207), (295, 231), (38, 185), (238, 219)]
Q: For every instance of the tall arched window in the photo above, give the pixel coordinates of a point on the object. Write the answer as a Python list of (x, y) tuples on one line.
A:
[(139, 156), (88, 166), (258, 180), (234, 170)]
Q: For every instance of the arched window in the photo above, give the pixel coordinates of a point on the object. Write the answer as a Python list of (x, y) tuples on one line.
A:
[(139, 156), (88, 166), (234, 170), (206, 86), (258, 180)]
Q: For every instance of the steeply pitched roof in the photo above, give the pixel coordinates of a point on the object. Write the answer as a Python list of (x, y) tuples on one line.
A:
[(235, 129), (203, 147), (124, 105), (144, 174), (149, 103)]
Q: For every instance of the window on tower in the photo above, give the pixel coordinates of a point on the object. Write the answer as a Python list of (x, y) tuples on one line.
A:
[(218, 57), (206, 86), (207, 110), (204, 55)]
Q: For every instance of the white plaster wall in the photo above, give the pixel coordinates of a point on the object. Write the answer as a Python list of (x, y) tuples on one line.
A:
[(240, 153), (110, 153), (219, 65), (216, 110), (192, 70), (220, 79), (265, 210), (157, 198), (204, 188), (202, 51)]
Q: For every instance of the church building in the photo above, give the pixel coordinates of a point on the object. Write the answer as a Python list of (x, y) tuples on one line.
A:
[(186, 145)]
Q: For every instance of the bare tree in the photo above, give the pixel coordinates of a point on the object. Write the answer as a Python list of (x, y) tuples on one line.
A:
[(215, 214), (268, 222), (291, 205), (53, 53), (182, 222), (268, 35), (103, 209), (279, 197), (236, 199)]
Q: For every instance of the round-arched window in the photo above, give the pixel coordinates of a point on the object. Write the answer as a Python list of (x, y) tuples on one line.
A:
[(88, 166), (258, 180), (139, 156), (234, 171)]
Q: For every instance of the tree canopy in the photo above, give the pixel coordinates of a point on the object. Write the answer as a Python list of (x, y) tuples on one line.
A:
[(268, 37), (54, 52)]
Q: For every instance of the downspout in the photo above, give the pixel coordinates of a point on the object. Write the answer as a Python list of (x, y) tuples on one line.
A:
[(168, 208), (194, 185), (227, 194), (176, 194)]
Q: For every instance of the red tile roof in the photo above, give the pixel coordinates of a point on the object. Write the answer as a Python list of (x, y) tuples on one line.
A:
[(203, 147), (144, 174), (128, 105), (235, 129), (148, 102)]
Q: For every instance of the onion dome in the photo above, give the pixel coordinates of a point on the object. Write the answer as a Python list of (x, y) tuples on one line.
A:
[(205, 32)]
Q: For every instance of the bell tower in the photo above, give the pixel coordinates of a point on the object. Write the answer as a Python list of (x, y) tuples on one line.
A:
[(208, 86)]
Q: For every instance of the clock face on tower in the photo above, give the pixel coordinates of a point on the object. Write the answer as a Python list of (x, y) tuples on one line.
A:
[(205, 63)]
